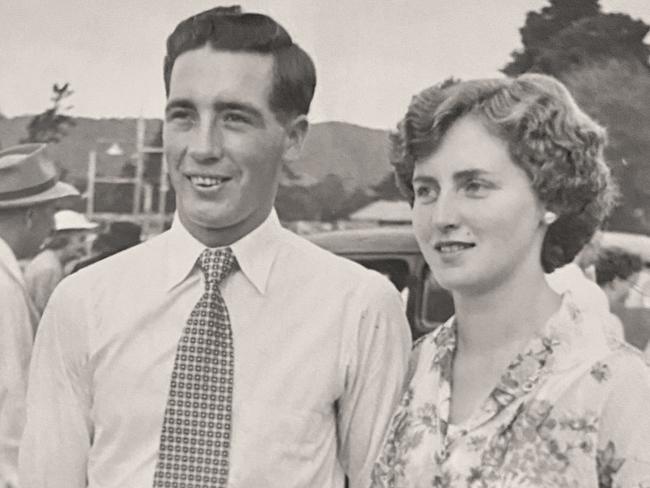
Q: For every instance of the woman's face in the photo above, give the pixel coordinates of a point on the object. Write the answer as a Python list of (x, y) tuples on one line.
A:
[(476, 217)]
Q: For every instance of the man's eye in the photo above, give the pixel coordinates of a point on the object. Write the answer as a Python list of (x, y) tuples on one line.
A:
[(179, 116), (425, 193), (235, 118)]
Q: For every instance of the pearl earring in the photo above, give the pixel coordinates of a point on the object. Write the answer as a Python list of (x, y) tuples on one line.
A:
[(550, 217)]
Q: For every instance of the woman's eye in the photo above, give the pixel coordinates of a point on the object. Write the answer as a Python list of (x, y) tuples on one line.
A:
[(475, 188)]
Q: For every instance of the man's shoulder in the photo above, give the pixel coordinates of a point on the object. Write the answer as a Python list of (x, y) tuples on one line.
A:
[(312, 259), (128, 267)]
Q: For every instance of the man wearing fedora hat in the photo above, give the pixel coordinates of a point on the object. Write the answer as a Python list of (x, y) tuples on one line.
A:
[(28, 192)]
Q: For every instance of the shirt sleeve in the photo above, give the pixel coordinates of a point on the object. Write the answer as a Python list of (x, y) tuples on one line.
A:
[(623, 455), (15, 349), (58, 432), (376, 364)]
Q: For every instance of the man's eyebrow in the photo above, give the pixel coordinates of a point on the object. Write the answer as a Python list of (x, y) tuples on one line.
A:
[(178, 103), (424, 179), (240, 106)]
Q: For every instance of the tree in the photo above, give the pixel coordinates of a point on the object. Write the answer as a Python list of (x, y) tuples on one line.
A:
[(603, 60), (570, 33), (615, 92), (594, 39), (52, 124), (387, 189)]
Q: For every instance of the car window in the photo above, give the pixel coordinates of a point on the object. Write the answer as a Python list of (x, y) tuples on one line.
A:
[(396, 270), (437, 303)]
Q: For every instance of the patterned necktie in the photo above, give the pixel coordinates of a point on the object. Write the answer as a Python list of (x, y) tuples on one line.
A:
[(195, 439)]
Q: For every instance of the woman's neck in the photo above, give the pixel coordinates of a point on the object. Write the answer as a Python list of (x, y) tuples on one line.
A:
[(505, 316)]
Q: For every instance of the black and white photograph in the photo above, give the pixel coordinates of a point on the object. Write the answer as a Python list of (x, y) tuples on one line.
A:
[(311, 244)]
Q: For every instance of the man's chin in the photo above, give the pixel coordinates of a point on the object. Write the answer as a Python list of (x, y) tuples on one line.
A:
[(210, 220)]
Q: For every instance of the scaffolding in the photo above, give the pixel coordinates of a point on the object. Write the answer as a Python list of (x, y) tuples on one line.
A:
[(142, 212)]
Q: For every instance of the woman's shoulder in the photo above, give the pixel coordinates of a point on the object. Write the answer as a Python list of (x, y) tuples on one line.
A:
[(627, 365)]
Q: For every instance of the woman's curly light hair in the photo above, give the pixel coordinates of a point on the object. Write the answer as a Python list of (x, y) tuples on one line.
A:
[(548, 135)]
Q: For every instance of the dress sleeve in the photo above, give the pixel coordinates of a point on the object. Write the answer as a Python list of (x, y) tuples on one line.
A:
[(15, 349), (58, 423), (376, 364), (623, 455)]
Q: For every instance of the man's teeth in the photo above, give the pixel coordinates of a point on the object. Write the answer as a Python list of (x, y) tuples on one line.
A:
[(206, 180)]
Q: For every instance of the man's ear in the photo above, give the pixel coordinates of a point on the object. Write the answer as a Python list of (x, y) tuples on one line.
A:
[(296, 130), (28, 218)]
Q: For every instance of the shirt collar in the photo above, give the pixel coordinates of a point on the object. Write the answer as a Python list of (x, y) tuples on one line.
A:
[(255, 252), (569, 338)]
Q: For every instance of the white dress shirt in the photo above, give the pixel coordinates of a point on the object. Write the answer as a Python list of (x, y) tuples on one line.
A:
[(42, 274), (321, 347), (17, 320)]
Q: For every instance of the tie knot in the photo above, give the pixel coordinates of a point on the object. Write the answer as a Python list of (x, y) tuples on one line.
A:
[(216, 264)]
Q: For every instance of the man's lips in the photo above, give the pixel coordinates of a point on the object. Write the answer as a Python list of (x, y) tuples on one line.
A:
[(448, 247), (207, 181)]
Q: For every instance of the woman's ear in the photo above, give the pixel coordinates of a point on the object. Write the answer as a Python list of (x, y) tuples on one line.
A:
[(296, 131)]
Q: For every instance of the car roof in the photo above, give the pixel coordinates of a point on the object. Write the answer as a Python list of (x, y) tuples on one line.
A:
[(400, 239), (633, 243), (382, 240)]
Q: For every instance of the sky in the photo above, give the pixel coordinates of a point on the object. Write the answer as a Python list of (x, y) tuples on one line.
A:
[(371, 55)]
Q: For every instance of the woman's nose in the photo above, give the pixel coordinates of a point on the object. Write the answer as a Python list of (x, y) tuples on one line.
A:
[(445, 212)]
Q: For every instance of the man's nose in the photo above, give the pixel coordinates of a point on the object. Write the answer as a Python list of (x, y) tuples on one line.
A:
[(206, 144)]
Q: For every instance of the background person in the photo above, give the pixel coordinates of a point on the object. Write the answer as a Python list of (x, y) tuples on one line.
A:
[(285, 360), (520, 388), (119, 237), (67, 244), (28, 191), (617, 272)]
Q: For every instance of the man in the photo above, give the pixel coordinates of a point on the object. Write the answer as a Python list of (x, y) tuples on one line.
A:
[(68, 244), (118, 237), (286, 371), (28, 191), (616, 273)]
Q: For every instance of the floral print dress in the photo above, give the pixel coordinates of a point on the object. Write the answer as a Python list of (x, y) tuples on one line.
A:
[(573, 410)]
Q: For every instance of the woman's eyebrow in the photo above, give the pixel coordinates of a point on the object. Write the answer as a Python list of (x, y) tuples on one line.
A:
[(469, 174)]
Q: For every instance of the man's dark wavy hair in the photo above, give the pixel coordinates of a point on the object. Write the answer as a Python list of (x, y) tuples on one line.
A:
[(229, 29), (548, 136)]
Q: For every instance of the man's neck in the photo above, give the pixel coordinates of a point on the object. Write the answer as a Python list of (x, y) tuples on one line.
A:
[(223, 236)]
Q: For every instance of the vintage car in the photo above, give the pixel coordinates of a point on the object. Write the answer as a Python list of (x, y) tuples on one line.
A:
[(393, 251)]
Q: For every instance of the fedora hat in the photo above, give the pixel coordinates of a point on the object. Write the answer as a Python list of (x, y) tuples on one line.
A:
[(28, 177)]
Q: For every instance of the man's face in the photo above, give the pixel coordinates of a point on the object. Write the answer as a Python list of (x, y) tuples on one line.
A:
[(223, 144), (76, 247), (39, 223)]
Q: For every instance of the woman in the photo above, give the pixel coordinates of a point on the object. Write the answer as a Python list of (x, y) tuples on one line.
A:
[(521, 387)]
